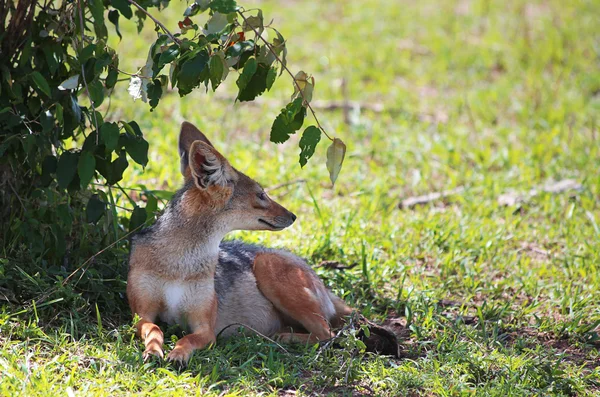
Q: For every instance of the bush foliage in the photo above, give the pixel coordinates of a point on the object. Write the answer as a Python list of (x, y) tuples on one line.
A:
[(62, 162)]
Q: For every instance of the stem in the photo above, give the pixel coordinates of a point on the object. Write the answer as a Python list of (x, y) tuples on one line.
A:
[(156, 21), (83, 71), (270, 47)]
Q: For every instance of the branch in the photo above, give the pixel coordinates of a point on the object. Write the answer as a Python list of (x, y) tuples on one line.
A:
[(270, 47), (256, 332), (83, 71), (156, 21)]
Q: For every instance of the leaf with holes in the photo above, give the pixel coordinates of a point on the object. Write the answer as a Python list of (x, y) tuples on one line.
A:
[(288, 121), (310, 137)]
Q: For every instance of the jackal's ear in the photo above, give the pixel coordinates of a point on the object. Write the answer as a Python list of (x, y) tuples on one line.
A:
[(208, 166), (188, 135)]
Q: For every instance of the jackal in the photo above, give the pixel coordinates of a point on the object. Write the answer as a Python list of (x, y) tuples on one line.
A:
[(182, 272)]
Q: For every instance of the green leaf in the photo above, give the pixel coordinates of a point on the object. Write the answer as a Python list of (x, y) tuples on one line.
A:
[(66, 168), (103, 61), (109, 133), (47, 121), (111, 78), (97, 9), (41, 83), (271, 76), (95, 209), (133, 128), (223, 6), (249, 71), (137, 148), (113, 16), (196, 7), (310, 137), (256, 86), (137, 219), (85, 168), (216, 67), (49, 166), (96, 91), (288, 121), (167, 56), (253, 23), (123, 7), (335, 157), (240, 48), (190, 73), (113, 171), (154, 93), (70, 84), (59, 113)]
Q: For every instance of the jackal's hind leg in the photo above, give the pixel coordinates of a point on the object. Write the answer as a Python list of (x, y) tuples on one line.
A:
[(296, 292)]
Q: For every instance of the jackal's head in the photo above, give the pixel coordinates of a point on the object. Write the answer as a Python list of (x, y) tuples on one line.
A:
[(218, 190)]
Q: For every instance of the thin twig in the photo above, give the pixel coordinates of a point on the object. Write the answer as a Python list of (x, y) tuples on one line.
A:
[(256, 332), (16, 194), (100, 252), (125, 193), (83, 71), (354, 353), (270, 47), (279, 186), (156, 21)]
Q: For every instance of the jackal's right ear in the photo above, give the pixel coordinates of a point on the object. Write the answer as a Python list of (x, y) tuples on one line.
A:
[(208, 166), (188, 135)]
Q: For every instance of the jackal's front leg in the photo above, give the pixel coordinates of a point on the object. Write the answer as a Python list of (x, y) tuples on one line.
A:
[(201, 320), (152, 337)]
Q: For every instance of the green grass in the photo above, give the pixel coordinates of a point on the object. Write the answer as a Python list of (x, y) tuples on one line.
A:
[(491, 300)]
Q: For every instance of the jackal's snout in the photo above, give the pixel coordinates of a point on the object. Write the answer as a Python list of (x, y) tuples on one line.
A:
[(279, 218)]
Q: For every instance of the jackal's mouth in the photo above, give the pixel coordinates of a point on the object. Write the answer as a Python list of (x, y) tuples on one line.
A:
[(272, 226)]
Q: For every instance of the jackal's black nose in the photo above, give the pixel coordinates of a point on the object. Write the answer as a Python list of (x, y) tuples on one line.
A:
[(293, 217)]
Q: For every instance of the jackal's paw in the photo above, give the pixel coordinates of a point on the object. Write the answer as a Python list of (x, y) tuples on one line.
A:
[(153, 352), (179, 355)]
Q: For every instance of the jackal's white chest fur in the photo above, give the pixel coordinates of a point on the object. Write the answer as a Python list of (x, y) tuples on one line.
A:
[(181, 297)]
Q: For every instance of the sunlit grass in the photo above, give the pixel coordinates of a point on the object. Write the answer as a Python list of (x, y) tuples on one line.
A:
[(489, 96)]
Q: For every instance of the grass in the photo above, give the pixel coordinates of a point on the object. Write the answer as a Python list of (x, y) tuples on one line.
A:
[(489, 299)]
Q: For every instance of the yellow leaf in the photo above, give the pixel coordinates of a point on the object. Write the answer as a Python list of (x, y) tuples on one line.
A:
[(335, 157)]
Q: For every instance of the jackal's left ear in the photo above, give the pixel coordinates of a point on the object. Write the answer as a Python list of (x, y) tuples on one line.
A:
[(208, 166), (188, 135)]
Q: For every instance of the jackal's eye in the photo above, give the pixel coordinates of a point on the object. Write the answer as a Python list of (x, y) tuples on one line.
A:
[(262, 196)]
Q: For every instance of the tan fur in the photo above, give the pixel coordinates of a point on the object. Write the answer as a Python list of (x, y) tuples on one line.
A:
[(173, 263), (295, 292)]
